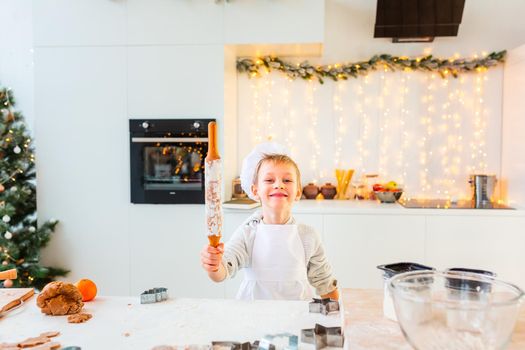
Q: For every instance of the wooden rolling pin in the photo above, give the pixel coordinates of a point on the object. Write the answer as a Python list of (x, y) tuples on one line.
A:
[(212, 186), (8, 274)]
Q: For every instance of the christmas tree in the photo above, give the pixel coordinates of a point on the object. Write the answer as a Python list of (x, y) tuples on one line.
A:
[(20, 237)]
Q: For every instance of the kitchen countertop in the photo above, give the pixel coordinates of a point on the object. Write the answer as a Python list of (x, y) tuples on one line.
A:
[(332, 206), (123, 323), (366, 328)]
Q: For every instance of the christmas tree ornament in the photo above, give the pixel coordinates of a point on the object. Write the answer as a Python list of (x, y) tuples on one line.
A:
[(2, 188), (5, 263), (212, 185), (8, 283), (6, 218), (14, 189), (10, 117), (8, 235), (17, 150), (32, 229)]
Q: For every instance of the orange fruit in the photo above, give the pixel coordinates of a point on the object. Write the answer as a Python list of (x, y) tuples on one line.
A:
[(87, 288)]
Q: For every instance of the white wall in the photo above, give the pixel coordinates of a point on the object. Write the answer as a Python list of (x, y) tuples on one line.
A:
[(16, 54), (513, 145), (486, 26)]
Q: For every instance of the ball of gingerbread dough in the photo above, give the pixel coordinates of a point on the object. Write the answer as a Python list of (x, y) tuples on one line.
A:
[(60, 298)]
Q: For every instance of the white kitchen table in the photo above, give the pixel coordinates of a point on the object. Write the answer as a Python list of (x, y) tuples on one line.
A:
[(124, 323)]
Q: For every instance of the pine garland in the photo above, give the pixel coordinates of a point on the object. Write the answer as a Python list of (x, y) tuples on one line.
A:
[(21, 239), (336, 72)]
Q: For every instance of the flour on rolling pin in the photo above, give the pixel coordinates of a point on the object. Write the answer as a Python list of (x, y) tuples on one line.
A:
[(212, 184)]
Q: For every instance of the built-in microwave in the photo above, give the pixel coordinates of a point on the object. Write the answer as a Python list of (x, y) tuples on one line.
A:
[(167, 160)]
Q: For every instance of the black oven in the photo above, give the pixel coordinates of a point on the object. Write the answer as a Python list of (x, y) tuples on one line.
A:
[(167, 160)]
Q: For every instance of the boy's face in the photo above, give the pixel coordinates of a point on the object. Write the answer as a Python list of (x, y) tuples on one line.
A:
[(277, 185)]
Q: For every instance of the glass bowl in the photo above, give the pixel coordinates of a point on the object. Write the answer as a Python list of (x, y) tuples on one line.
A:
[(455, 310), (388, 196)]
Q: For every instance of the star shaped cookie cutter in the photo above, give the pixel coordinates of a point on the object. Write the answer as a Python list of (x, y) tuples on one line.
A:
[(323, 337), (324, 306), (154, 295), (233, 345), (291, 339)]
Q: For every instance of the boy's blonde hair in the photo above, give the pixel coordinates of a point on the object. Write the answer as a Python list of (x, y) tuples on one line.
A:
[(278, 159)]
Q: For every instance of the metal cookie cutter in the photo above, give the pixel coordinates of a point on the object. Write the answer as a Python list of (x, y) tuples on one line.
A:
[(279, 340), (233, 345), (324, 306), (323, 337), (154, 295)]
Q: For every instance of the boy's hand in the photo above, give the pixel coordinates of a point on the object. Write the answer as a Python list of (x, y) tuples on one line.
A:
[(211, 257)]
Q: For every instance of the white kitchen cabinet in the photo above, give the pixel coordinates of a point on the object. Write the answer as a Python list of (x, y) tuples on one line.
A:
[(79, 23), (164, 255), (232, 220), (494, 243), (176, 81), (359, 236), (356, 244), (80, 180), (168, 22), (274, 22)]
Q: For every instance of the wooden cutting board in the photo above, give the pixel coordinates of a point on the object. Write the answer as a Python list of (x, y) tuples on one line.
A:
[(11, 297)]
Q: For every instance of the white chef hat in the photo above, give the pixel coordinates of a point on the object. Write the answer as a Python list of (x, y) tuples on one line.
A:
[(252, 159)]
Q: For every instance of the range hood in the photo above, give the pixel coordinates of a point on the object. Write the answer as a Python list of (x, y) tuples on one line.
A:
[(417, 20)]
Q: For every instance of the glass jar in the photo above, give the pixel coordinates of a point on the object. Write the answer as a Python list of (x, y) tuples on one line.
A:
[(369, 181)]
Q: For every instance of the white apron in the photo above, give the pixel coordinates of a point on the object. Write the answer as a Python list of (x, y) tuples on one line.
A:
[(278, 268)]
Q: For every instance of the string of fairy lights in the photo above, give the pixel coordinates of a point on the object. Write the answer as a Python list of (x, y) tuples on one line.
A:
[(423, 130)]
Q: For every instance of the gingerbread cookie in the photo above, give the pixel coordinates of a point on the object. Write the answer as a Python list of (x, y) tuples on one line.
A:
[(79, 318), (51, 334), (31, 342)]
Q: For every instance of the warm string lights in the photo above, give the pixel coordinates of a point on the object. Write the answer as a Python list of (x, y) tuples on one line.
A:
[(478, 144), (268, 119), (444, 130), (290, 122), (385, 125), (313, 131), (256, 115), (340, 129), (425, 130), (364, 127), (411, 127), (402, 162)]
